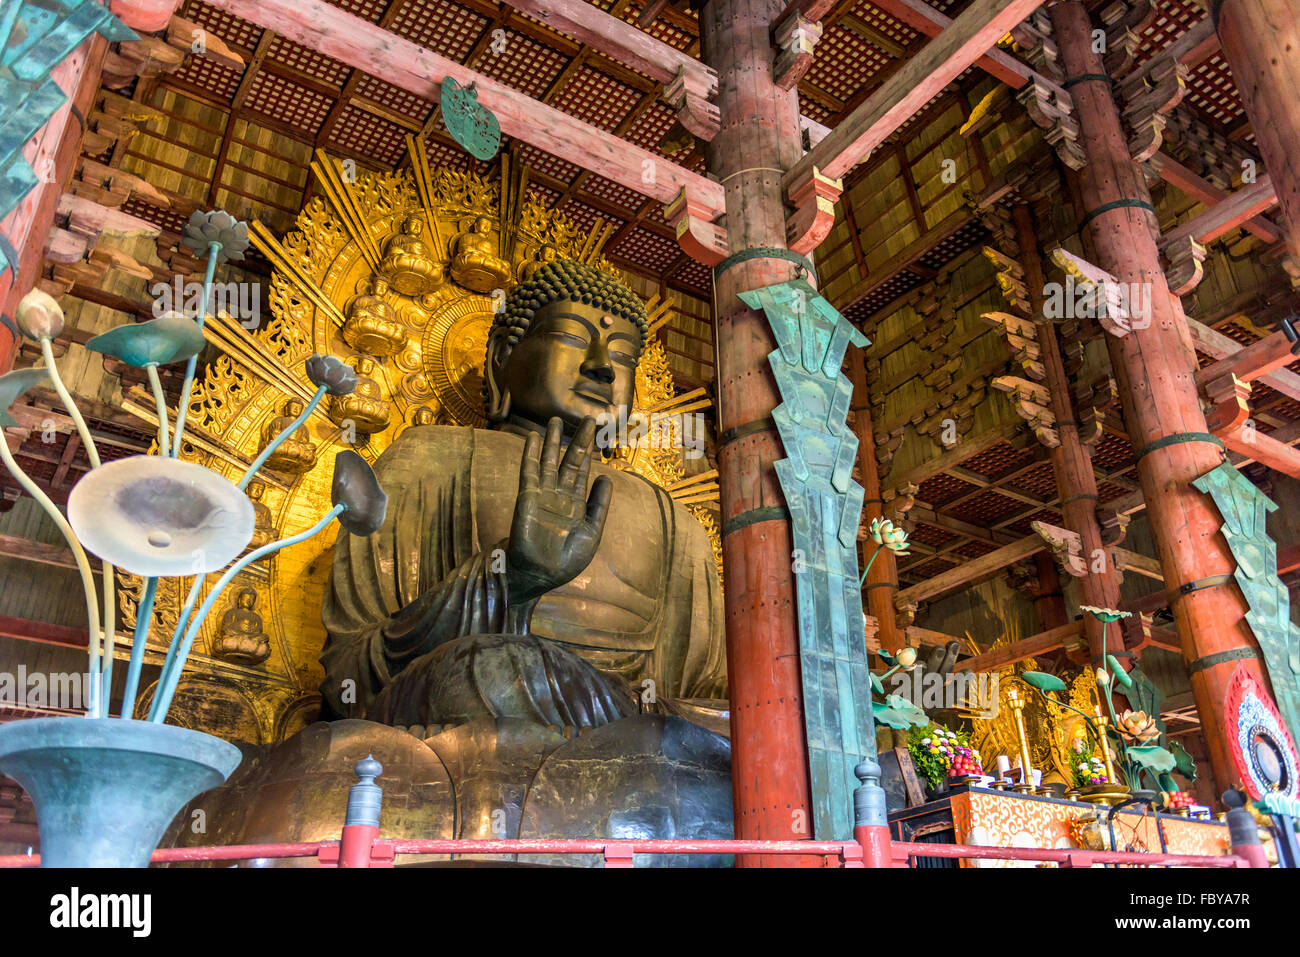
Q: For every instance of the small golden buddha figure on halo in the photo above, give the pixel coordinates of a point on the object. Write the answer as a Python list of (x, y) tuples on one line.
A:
[(528, 268), (475, 264), (424, 415), (240, 636), (366, 408), (372, 325), (408, 264), (296, 454), (263, 530)]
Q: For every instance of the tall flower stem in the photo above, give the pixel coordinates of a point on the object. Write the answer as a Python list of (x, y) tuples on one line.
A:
[(143, 616), (97, 706), (863, 580), (110, 599), (284, 434), (182, 407), (160, 403), (190, 600), (168, 682)]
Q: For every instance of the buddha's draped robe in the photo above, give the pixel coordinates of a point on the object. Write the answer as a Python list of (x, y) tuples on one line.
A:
[(648, 606)]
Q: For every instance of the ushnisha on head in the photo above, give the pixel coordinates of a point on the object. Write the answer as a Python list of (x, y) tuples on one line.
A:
[(565, 345)]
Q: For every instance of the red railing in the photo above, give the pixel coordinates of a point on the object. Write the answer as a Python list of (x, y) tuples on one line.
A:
[(382, 852)]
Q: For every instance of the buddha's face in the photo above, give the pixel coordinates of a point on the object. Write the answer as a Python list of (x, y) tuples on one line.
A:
[(414, 227), (574, 361)]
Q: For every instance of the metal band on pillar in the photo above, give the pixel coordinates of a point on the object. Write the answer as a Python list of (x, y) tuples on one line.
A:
[(764, 252), (1219, 658)]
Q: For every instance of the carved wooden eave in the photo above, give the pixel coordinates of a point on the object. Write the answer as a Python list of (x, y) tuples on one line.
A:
[(1065, 546), (1011, 280), (794, 39), (813, 199), (1032, 402), (1148, 97), (1019, 334)]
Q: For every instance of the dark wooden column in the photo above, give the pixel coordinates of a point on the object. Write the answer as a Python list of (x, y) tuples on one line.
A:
[(1071, 460), (1154, 368), (882, 579), (1261, 42), (759, 139)]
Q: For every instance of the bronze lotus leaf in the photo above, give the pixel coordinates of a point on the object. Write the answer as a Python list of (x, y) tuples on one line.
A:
[(158, 342), (14, 384), (357, 489), (337, 376)]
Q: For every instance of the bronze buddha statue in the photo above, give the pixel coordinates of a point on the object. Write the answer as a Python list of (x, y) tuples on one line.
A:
[(297, 454), (365, 407), (372, 325), (408, 263), (264, 532), (474, 263), (540, 621), (240, 635)]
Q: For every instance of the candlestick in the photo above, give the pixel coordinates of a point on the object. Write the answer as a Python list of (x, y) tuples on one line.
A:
[(1105, 744), (1026, 785)]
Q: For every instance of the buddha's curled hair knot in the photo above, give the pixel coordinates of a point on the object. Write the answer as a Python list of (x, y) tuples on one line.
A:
[(566, 279)]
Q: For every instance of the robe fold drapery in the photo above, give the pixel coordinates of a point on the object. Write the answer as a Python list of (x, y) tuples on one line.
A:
[(648, 606)]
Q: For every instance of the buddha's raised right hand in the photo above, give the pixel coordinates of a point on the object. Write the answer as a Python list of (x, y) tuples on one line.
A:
[(557, 525)]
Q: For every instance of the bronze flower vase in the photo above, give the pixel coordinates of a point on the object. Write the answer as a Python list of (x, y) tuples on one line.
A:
[(105, 789)]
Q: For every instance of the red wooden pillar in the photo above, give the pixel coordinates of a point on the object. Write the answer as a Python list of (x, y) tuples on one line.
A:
[(53, 155), (758, 140), (1154, 367), (882, 577), (1071, 462), (1261, 42)]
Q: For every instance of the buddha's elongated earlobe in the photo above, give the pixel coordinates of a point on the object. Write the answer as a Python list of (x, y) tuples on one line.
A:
[(497, 396)]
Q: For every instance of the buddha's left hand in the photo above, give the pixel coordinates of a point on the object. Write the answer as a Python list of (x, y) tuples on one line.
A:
[(557, 525)]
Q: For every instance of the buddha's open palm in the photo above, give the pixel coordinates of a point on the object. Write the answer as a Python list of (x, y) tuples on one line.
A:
[(557, 525)]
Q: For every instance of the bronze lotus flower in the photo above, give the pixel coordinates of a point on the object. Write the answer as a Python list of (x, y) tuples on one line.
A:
[(357, 489), (333, 373)]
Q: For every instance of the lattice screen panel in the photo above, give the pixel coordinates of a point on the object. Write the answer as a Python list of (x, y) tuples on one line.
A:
[(661, 29), (1109, 491), (620, 196), (232, 29), (960, 241), (941, 488), (372, 10), (444, 27), (901, 33), (548, 164), (1173, 19), (694, 274), (883, 295), (974, 549), (211, 77), (986, 508), (927, 569), (1111, 453), (363, 132), (308, 62), (395, 98), (1212, 91), (296, 105), (1038, 482), (647, 250), (999, 459), (596, 98), (843, 63), (523, 64), (931, 535), (452, 157), (651, 127)]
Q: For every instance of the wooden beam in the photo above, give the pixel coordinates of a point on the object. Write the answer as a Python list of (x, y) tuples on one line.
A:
[(1226, 215), (979, 27), (926, 20), (971, 570), (964, 449), (409, 66), (1215, 343), (1031, 647), (24, 629), (12, 546), (1251, 362), (1177, 175)]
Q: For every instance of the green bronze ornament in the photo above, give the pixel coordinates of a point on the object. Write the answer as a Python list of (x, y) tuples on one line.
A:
[(1244, 509), (825, 508), (470, 123)]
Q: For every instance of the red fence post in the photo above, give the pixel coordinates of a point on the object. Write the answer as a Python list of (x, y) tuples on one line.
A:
[(871, 816), (361, 826), (618, 855), (1243, 836)]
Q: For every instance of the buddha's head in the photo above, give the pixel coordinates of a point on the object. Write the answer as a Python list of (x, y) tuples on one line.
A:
[(246, 598), (423, 416), (380, 286), (548, 253), (293, 408), (566, 344), (255, 490), (413, 226), (482, 225), (364, 365)]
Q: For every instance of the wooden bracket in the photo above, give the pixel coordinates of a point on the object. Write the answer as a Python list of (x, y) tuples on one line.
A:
[(1185, 270), (688, 96), (904, 613), (1114, 526), (1126, 21), (1052, 111), (1033, 404), (1149, 96), (1115, 317), (795, 39), (1020, 336), (1066, 547), (813, 198), (1229, 396), (1011, 280), (1034, 37), (699, 237)]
